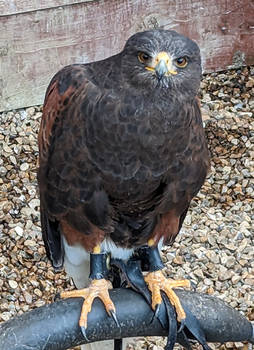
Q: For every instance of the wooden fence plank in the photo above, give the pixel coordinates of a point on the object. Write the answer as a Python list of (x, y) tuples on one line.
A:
[(15, 7), (36, 44)]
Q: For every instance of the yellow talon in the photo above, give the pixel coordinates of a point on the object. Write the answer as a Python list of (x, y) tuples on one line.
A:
[(156, 282), (98, 288)]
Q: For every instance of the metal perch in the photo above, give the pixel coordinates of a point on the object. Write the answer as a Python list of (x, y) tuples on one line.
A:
[(55, 326)]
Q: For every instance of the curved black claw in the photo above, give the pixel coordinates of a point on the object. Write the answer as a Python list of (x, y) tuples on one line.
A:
[(113, 315), (182, 325), (83, 331), (156, 312)]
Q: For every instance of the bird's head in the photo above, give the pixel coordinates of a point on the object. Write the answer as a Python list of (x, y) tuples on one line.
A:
[(162, 59)]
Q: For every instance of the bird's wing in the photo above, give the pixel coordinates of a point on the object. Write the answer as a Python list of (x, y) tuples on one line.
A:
[(70, 190), (184, 178)]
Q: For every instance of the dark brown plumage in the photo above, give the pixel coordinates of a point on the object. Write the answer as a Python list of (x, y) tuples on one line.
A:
[(121, 151), (122, 147)]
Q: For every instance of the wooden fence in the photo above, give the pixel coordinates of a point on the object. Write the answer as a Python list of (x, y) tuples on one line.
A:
[(38, 37)]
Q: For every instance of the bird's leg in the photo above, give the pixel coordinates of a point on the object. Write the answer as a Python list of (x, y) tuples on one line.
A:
[(157, 282), (98, 288)]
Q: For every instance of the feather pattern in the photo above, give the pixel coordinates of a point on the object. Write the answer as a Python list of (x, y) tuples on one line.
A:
[(121, 153)]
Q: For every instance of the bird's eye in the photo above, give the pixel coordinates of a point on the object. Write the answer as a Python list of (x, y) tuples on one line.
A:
[(143, 57), (181, 62)]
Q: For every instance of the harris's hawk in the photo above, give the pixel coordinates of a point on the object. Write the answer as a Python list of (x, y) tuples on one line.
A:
[(122, 153)]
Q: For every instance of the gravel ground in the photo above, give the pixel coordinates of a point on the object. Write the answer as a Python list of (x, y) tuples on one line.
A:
[(215, 247)]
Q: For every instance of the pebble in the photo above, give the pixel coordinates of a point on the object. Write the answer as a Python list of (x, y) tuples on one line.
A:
[(28, 297), (24, 166), (3, 171), (13, 284), (5, 316), (34, 203), (30, 243), (19, 230), (37, 292)]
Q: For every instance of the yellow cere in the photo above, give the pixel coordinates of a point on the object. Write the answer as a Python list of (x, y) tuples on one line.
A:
[(172, 72), (165, 57), (149, 68)]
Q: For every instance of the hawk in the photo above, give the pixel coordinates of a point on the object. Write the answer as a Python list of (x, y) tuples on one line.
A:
[(122, 153)]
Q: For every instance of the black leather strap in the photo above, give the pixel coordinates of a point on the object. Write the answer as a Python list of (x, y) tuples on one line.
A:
[(150, 258), (98, 266)]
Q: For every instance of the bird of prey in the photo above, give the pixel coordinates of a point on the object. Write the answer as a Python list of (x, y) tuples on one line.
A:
[(122, 153)]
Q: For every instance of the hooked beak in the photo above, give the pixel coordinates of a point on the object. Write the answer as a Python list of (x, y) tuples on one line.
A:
[(161, 69), (162, 65)]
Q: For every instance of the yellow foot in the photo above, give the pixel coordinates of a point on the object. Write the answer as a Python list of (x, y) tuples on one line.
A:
[(98, 288), (156, 281)]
